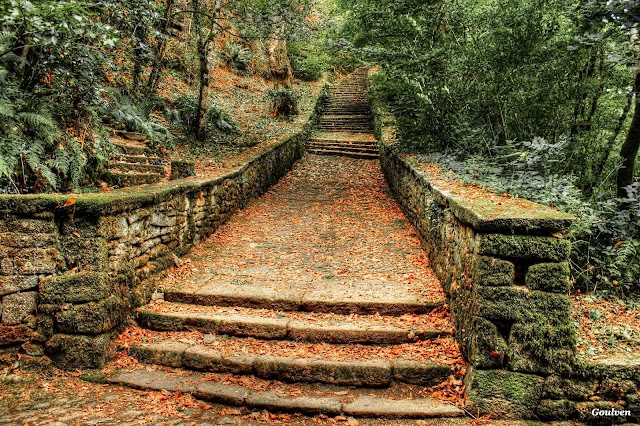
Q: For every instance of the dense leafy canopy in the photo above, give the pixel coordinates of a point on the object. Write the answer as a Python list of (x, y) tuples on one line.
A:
[(535, 98)]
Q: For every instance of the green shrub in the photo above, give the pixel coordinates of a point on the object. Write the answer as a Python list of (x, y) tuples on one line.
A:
[(284, 102), (186, 111), (236, 56)]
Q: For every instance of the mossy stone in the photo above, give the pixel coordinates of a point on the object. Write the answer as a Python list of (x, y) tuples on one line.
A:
[(552, 277), (92, 317), (536, 347), (519, 304), (524, 247), (71, 352), (84, 286), (489, 347), (86, 253), (556, 409), (494, 272), (504, 394), (577, 388)]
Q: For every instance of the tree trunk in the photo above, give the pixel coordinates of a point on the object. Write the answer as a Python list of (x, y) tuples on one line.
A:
[(279, 63), (203, 60), (629, 149), (156, 69)]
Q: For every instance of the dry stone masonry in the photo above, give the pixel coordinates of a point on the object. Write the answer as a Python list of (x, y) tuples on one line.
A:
[(70, 275), (506, 277)]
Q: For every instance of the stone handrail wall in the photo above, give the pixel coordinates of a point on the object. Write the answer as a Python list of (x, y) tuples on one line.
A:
[(70, 275), (506, 277)]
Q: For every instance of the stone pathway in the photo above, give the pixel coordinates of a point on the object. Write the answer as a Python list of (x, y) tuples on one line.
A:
[(316, 299)]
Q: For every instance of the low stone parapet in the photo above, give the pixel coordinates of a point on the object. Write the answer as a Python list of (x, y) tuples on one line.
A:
[(73, 267)]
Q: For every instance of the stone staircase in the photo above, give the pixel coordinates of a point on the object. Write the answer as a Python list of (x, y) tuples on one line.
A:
[(133, 163), (304, 304), (345, 126)]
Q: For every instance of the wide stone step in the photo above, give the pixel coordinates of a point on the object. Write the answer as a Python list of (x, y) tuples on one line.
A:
[(312, 400), (360, 155), (344, 365), (343, 147), (298, 326), (140, 159), (122, 166), (357, 297), (328, 128), (119, 178)]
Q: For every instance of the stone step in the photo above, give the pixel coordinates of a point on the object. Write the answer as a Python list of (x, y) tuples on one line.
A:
[(364, 156), (326, 128), (122, 179), (123, 166), (312, 400), (141, 159), (298, 326), (337, 141), (343, 148), (131, 148), (344, 365), (358, 297)]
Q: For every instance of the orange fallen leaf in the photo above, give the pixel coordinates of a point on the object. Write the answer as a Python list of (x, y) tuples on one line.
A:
[(71, 201)]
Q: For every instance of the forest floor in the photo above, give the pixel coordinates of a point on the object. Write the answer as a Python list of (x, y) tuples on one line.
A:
[(608, 329), (245, 99)]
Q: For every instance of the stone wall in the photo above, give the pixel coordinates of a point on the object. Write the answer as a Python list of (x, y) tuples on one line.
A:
[(71, 272), (505, 272)]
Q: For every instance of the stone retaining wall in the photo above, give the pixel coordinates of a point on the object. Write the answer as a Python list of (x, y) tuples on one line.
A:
[(70, 276), (505, 272)]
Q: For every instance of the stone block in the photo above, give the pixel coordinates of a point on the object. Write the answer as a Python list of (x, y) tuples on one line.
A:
[(113, 227), (18, 306), (15, 283), (504, 394), (494, 272), (33, 261), (14, 334), (557, 387), (524, 247), (552, 277), (539, 347), (488, 346), (182, 169), (72, 352), (32, 226), (82, 287), (162, 220), (552, 409), (86, 253), (92, 317), (520, 304), (168, 353), (25, 240)]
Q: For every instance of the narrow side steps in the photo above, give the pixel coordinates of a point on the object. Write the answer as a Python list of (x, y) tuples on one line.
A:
[(279, 397), (133, 163)]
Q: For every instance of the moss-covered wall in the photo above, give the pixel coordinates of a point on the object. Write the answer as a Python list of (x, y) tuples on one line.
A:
[(70, 276)]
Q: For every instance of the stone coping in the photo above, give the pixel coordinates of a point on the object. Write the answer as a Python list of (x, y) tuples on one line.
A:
[(120, 200), (488, 212)]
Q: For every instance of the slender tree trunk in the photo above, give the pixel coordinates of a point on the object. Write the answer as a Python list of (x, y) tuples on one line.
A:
[(631, 145), (612, 140), (158, 61), (203, 50)]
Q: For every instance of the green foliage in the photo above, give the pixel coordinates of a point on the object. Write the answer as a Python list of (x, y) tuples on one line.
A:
[(136, 119), (185, 112), (236, 56), (284, 102), (308, 64)]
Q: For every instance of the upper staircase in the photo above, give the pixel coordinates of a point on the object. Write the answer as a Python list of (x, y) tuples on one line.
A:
[(345, 126), (133, 163)]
